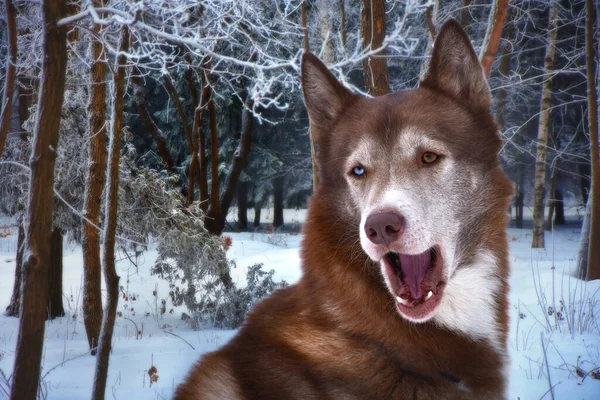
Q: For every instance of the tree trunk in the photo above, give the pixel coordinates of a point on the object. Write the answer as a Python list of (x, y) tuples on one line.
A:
[(168, 81), (239, 160), (551, 198), (96, 176), (15, 301), (519, 199), (26, 97), (214, 155), (559, 208), (195, 171), (203, 183), (465, 15), (11, 68), (493, 35), (504, 69), (110, 222), (342, 26), (584, 242), (537, 240), (585, 172), (325, 33), (242, 203), (155, 132), (304, 26), (55, 272), (313, 149), (38, 216), (372, 21), (430, 19), (593, 271), (278, 202), (257, 212)]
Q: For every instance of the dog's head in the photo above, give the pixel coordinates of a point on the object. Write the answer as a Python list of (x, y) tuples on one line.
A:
[(416, 171)]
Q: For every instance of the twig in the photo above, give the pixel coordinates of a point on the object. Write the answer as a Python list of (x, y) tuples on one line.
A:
[(547, 367), (137, 331), (171, 333), (60, 364)]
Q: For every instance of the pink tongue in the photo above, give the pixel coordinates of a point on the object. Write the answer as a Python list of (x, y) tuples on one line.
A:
[(414, 268)]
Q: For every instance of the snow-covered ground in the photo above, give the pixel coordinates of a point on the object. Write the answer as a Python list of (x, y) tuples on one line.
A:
[(540, 278)]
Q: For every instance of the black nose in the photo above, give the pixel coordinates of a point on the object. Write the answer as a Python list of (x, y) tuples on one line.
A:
[(384, 227)]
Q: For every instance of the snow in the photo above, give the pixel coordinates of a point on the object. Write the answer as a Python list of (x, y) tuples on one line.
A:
[(68, 369)]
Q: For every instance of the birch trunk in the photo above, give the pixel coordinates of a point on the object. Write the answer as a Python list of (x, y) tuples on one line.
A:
[(38, 215), (537, 240)]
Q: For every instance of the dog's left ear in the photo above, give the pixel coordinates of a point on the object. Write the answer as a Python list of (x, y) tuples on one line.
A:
[(455, 69)]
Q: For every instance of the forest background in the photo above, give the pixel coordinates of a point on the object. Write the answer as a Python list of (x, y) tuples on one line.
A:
[(128, 124)]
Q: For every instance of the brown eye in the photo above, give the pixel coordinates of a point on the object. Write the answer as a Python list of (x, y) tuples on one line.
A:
[(429, 158)]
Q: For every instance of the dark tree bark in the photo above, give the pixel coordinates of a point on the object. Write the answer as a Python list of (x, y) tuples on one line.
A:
[(257, 212), (168, 81), (239, 160), (551, 198), (148, 121), (585, 172), (278, 201), (38, 217), (110, 223), (15, 301), (304, 26), (11, 68), (372, 21), (203, 178), (593, 270), (214, 156), (559, 208), (519, 198), (215, 221), (55, 272), (195, 171), (465, 15), (96, 176), (26, 92), (242, 204)]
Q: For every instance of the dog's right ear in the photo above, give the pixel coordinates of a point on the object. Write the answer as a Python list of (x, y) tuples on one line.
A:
[(325, 97)]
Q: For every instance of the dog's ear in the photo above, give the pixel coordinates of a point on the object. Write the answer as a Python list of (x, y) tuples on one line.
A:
[(455, 69), (324, 96)]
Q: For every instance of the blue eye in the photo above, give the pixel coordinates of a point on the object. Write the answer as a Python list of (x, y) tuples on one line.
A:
[(358, 171)]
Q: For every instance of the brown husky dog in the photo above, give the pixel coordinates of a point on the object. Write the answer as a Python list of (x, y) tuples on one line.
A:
[(404, 257)]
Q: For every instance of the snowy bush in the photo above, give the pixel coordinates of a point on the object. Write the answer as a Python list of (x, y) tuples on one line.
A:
[(223, 308)]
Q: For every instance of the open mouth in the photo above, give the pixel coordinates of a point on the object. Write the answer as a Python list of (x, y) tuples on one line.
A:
[(416, 282)]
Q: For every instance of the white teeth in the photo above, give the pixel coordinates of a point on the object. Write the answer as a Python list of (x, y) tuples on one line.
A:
[(428, 295), (401, 300)]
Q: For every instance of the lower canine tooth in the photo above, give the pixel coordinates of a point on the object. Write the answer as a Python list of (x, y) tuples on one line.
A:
[(400, 300), (428, 295)]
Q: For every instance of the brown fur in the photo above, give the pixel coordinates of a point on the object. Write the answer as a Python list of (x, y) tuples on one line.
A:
[(336, 334)]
